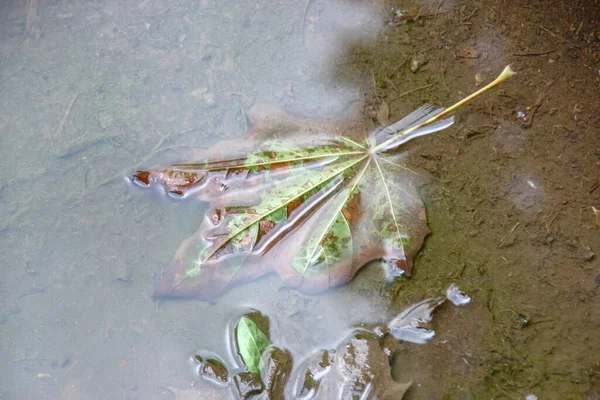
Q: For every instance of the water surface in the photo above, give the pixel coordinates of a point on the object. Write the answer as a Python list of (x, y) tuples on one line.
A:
[(89, 90)]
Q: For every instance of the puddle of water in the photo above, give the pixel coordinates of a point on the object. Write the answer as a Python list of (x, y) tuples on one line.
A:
[(91, 91), (356, 366), (104, 86)]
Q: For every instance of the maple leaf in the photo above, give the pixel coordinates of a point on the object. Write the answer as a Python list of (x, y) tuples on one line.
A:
[(312, 206)]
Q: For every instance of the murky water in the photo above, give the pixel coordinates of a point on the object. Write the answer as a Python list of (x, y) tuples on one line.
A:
[(90, 90)]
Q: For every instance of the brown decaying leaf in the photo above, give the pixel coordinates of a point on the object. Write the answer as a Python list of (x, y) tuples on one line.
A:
[(313, 203), (234, 192)]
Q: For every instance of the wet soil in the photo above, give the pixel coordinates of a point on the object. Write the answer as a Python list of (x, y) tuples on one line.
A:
[(510, 204), (91, 89)]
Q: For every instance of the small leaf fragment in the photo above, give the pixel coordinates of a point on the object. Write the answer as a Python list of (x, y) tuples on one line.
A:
[(276, 370), (252, 343), (214, 370), (248, 385)]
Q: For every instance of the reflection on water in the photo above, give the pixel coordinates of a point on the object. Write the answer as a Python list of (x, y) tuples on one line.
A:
[(92, 89), (357, 367)]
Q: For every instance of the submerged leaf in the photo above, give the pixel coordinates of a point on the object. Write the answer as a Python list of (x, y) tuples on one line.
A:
[(312, 204), (252, 343), (313, 210)]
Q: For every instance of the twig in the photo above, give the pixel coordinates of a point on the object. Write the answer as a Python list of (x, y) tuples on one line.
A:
[(559, 37), (145, 158), (33, 27), (160, 142), (470, 15), (511, 231), (241, 71), (445, 202), (543, 279), (597, 215), (418, 15), (551, 221), (413, 17), (206, 42), (534, 53), (245, 116), (504, 93), (32, 291), (534, 108), (411, 91), (304, 20), (158, 14), (6, 223), (579, 28), (67, 112), (398, 68), (437, 10), (443, 72), (70, 368), (120, 30), (32, 17), (475, 132), (594, 187)]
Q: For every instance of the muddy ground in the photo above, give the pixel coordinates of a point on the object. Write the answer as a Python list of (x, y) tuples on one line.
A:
[(510, 204), (91, 89)]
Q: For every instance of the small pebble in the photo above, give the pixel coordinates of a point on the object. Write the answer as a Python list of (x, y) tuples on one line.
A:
[(417, 62), (588, 255)]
